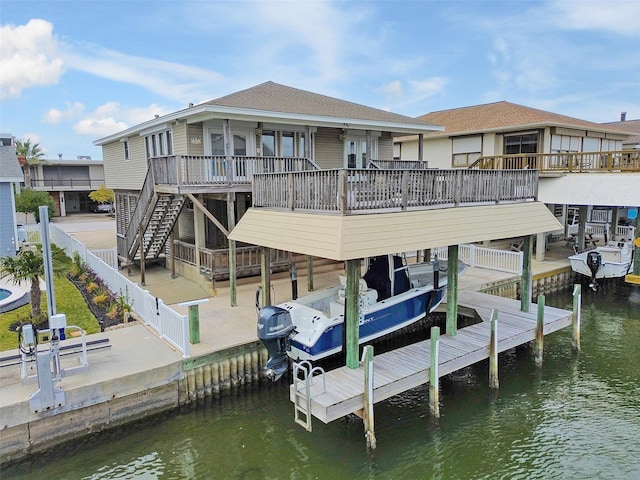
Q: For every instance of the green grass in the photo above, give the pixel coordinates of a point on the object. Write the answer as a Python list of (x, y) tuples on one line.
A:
[(68, 301)]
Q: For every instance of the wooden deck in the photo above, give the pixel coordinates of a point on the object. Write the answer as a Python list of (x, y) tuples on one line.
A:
[(408, 367)]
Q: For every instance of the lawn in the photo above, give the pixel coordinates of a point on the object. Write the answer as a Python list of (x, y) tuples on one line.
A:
[(69, 301)]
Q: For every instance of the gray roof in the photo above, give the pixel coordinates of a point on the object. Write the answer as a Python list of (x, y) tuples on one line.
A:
[(631, 126), (272, 102), (10, 170)]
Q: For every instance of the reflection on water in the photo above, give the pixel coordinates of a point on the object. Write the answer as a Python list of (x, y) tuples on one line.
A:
[(577, 417)]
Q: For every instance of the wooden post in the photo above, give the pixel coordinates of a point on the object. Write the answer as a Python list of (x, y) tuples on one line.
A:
[(539, 342), (342, 191), (577, 300), (420, 147), (493, 351), (231, 223), (310, 273), (434, 377), (527, 275), (367, 412), (265, 269), (142, 276), (351, 321), (452, 291), (172, 253)]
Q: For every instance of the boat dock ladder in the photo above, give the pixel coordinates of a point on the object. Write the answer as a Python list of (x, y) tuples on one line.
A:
[(303, 375)]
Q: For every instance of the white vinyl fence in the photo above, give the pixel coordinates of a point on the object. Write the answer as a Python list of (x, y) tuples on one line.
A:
[(481, 257), (170, 325)]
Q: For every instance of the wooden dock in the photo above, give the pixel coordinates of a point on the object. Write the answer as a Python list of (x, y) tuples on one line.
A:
[(408, 367)]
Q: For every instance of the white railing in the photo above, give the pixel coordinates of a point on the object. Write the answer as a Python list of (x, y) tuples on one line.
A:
[(170, 325), (624, 232), (481, 257)]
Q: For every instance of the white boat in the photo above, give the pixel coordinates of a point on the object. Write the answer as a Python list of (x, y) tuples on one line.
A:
[(613, 260), (311, 327)]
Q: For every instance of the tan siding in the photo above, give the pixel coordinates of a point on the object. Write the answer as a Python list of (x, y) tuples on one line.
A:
[(359, 236), (195, 131), (180, 139), (385, 147), (329, 149)]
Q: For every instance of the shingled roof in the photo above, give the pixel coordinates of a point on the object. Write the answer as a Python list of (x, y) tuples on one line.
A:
[(273, 97), (631, 126), (502, 116), (10, 170)]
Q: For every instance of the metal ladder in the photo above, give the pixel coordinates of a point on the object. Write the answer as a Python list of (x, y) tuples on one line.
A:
[(303, 374)]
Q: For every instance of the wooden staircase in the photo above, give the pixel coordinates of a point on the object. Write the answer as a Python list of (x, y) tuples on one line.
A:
[(152, 221)]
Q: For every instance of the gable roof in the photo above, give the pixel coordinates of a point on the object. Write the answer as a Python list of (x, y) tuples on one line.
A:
[(10, 170), (632, 126), (272, 102), (501, 116)]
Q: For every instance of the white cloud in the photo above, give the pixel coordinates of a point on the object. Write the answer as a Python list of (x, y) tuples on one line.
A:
[(621, 17), (55, 116), (429, 87), (29, 57), (393, 89), (111, 118)]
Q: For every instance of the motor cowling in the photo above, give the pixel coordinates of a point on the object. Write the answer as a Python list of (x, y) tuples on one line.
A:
[(274, 328), (594, 262)]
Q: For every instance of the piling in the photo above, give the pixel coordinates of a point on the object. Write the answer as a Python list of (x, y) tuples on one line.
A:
[(434, 378)]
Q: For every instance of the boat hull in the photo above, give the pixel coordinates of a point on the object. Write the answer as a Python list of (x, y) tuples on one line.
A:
[(388, 316)]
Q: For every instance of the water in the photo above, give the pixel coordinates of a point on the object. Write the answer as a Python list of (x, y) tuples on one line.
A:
[(4, 293), (577, 418)]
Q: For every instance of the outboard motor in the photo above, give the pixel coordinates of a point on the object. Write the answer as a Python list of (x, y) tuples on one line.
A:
[(274, 328), (594, 262)]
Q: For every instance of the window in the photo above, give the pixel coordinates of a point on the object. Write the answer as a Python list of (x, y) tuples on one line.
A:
[(147, 149), (161, 143), (287, 145), (466, 150), (154, 145), (217, 144), (356, 151), (301, 147), (169, 143), (126, 150), (565, 143), (524, 143), (268, 144)]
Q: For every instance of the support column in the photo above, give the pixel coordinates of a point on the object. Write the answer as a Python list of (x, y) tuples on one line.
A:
[(194, 318), (265, 269), (231, 223), (420, 147), (539, 341), (582, 226), (367, 412), (310, 273), (142, 254), (452, 290), (198, 232), (541, 246), (493, 352), (172, 253), (527, 274), (353, 312), (577, 312), (434, 377)]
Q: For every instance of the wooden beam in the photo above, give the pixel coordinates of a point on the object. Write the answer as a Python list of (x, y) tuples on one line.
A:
[(434, 377), (452, 290), (527, 274), (351, 322), (231, 221), (140, 236), (265, 269), (576, 319), (310, 273), (172, 253), (367, 411), (208, 214), (493, 351), (539, 341)]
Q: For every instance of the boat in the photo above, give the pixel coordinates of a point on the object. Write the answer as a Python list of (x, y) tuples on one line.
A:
[(311, 327), (613, 260)]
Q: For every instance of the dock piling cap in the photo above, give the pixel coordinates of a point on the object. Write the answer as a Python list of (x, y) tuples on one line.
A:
[(636, 242), (193, 302)]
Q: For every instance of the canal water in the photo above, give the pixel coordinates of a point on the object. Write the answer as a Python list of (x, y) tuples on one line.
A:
[(576, 418)]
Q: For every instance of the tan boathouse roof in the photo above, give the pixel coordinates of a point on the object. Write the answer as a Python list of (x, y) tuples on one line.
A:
[(345, 237)]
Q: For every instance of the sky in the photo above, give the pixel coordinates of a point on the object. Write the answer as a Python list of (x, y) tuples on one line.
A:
[(72, 72)]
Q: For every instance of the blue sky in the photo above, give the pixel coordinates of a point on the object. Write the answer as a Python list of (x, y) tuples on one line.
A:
[(74, 71)]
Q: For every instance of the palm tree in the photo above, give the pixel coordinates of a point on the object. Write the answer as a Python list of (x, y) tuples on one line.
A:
[(29, 155), (28, 266)]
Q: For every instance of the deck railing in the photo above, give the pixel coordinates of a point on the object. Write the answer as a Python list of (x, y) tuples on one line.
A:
[(398, 164), (67, 183), (366, 190), (191, 170), (215, 262), (574, 162), (488, 258)]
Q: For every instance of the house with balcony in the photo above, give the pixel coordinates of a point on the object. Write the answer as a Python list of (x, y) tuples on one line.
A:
[(581, 164), (69, 182), (11, 177), (183, 180), (272, 159)]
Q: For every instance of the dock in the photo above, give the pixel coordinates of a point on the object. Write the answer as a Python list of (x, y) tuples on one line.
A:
[(343, 390)]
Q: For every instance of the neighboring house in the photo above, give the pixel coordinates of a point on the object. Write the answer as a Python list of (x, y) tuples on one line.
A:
[(505, 135), (10, 176), (189, 174), (69, 182), (632, 126)]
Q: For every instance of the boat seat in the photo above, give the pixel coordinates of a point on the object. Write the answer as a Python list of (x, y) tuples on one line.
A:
[(363, 287)]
